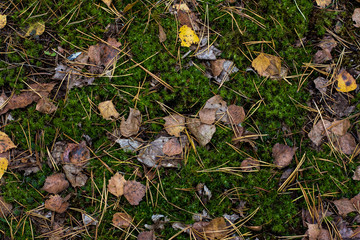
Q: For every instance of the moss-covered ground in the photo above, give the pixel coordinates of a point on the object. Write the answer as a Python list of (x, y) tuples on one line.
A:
[(23, 59)]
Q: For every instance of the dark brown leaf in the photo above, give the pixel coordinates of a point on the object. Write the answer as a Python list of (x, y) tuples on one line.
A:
[(122, 220), (134, 192), (172, 147), (236, 114), (283, 155), (55, 183), (57, 204)]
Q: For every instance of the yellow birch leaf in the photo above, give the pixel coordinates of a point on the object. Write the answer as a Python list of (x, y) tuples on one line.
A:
[(267, 65), (5, 142), (187, 36), (3, 166), (345, 82), (35, 29), (2, 21), (261, 63)]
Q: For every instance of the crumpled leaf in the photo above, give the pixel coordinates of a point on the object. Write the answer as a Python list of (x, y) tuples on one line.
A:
[(318, 131), (182, 7), (355, 17), (6, 143), (162, 34), (147, 235), (340, 127), (172, 147), (5, 208), (313, 231), (208, 53), (236, 114), (108, 111), (27, 164), (3, 166), (217, 66), (267, 65), (122, 220), (104, 54), (202, 132), (131, 126), (77, 154), (116, 185), (174, 124), (44, 105), (55, 183), (340, 105), (187, 36), (326, 45), (323, 3), (35, 29), (134, 192), (75, 175), (73, 75), (216, 102), (345, 82), (228, 68), (344, 206), (57, 204), (215, 229), (283, 155), (2, 21), (250, 164)]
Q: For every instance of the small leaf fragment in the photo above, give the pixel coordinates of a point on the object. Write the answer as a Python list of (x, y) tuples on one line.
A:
[(108, 111), (187, 36), (107, 2), (345, 82), (3, 166), (162, 34), (2, 21), (131, 126)]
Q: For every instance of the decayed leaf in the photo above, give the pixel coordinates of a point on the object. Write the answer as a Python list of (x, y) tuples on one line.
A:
[(174, 124), (35, 29), (267, 65), (356, 176), (216, 102), (250, 164), (321, 84), (217, 66), (108, 111), (73, 74), (131, 126), (283, 155), (207, 115), (228, 68), (122, 220), (318, 131), (162, 34), (147, 235), (215, 229), (57, 204), (172, 147), (116, 185), (323, 3), (340, 127), (345, 82), (313, 231), (236, 114), (355, 17), (5, 142), (134, 192), (346, 144), (3, 166), (55, 183), (77, 154), (75, 175), (5, 208), (107, 2), (344, 206), (187, 36), (104, 54), (2, 21), (322, 56), (44, 105), (202, 132)]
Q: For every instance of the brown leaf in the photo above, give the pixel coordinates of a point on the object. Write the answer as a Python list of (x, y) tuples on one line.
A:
[(131, 126), (72, 75), (202, 132), (346, 144), (267, 65), (108, 111), (57, 204), (107, 2), (250, 164), (55, 183), (189, 19), (134, 192), (356, 176), (323, 3), (318, 131), (321, 84), (77, 154), (283, 155), (6, 143), (313, 231), (116, 185), (104, 54), (344, 206), (236, 114), (328, 43), (207, 115), (44, 105), (174, 124), (122, 220), (162, 34), (75, 175), (148, 235), (215, 229), (172, 147), (356, 17), (217, 66), (5, 208), (340, 127), (216, 102)]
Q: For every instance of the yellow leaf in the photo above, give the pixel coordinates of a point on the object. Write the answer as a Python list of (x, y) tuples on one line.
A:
[(182, 7), (35, 29), (3, 166), (323, 3), (187, 36), (5, 142), (2, 21), (267, 65), (345, 82), (261, 63)]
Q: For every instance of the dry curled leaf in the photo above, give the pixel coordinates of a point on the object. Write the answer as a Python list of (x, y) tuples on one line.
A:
[(5, 208), (283, 155), (2, 21), (355, 17), (216, 102), (3, 166), (44, 105), (318, 131), (116, 185), (174, 124), (55, 183), (187, 36), (104, 54), (236, 114), (345, 82), (108, 111), (267, 65), (77, 154), (172, 147), (202, 132), (217, 66), (75, 175), (346, 144), (5, 142), (215, 229), (122, 220), (131, 126), (57, 204), (134, 192)]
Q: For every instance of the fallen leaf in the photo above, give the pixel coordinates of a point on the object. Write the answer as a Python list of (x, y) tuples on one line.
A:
[(134, 192), (267, 65), (187, 36), (2, 21), (55, 183), (35, 29), (208, 53), (313, 231), (217, 66), (182, 7), (321, 84), (188, 19), (345, 82), (236, 114), (27, 164), (129, 6), (122, 220), (228, 68), (340, 106), (108, 111), (147, 235), (355, 18), (107, 2), (57, 204), (322, 56), (104, 54), (323, 3), (172, 147), (131, 126), (116, 185), (250, 164), (72, 75), (216, 102), (128, 144), (75, 175), (207, 115), (340, 127), (5, 142), (344, 206), (283, 155), (162, 34), (356, 176), (215, 229), (328, 43), (202, 132), (5, 208), (346, 144), (77, 154), (44, 105), (318, 131), (3, 166), (174, 124)]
